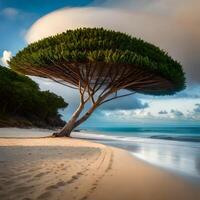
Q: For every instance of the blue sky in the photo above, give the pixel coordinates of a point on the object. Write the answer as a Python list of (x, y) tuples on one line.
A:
[(171, 24), (18, 15)]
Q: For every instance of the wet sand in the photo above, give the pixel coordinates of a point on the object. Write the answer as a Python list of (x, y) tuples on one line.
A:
[(72, 169)]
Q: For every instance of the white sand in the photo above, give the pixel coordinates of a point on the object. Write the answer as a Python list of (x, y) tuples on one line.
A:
[(62, 168)]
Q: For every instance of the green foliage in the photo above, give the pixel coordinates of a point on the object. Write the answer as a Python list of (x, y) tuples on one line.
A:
[(99, 45), (20, 96)]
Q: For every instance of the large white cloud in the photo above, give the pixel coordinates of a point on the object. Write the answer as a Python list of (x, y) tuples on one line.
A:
[(177, 32)]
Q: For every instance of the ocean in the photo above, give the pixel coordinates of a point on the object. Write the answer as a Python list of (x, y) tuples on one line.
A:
[(172, 148)]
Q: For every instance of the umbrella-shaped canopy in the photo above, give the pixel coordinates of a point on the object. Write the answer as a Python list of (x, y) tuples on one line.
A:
[(101, 58)]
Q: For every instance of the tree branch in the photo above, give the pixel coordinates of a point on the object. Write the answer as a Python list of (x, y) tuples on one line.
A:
[(116, 97)]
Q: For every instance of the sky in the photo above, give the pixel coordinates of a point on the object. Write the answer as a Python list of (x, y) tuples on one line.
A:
[(173, 25)]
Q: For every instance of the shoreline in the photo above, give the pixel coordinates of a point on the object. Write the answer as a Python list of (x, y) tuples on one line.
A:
[(81, 169), (193, 180), (179, 158)]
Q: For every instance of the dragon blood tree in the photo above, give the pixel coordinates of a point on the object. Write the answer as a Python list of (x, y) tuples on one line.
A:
[(99, 63)]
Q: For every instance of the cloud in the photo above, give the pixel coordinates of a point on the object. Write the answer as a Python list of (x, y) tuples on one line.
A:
[(193, 93), (177, 113), (10, 12), (157, 6), (197, 108), (14, 14), (129, 109), (6, 57), (172, 25), (127, 115), (189, 115), (195, 113), (126, 103), (147, 5), (163, 112)]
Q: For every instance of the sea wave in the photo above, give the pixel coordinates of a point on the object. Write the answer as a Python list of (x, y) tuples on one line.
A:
[(184, 134), (177, 138), (154, 140)]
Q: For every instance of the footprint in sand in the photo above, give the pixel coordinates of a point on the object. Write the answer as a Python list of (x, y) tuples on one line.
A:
[(22, 189), (84, 198), (64, 169), (44, 195), (75, 177), (41, 174), (51, 187), (61, 183), (55, 186)]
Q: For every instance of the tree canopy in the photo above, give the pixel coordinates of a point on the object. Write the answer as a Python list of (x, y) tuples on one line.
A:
[(104, 48), (20, 97), (99, 63)]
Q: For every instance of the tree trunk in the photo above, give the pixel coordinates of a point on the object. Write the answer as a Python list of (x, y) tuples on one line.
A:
[(74, 121), (86, 116), (67, 129), (69, 126)]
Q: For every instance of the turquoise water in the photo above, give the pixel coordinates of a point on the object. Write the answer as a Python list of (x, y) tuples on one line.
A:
[(172, 148), (188, 134)]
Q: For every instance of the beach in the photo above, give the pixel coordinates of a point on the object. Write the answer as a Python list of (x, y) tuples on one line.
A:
[(68, 168)]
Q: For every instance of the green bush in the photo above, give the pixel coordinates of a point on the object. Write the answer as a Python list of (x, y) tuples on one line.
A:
[(20, 96)]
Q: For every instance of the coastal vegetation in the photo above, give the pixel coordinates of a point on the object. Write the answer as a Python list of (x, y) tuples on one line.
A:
[(99, 63), (23, 104)]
